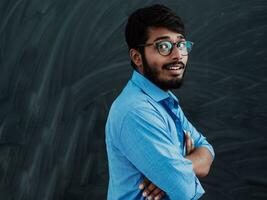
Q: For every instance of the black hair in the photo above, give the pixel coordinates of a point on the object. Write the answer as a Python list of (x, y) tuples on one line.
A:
[(136, 31)]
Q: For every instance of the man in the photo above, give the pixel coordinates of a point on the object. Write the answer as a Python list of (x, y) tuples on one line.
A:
[(153, 150)]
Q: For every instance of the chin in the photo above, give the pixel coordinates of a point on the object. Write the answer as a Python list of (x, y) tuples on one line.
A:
[(170, 84)]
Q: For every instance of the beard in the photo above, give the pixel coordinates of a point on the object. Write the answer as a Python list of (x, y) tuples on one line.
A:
[(153, 75)]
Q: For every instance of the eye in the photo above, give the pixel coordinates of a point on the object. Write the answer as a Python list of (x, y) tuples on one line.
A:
[(164, 46), (182, 45)]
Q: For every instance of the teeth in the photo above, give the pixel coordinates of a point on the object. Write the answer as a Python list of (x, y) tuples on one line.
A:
[(175, 67)]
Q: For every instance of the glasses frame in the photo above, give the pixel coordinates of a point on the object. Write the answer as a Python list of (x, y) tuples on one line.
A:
[(156, 44)]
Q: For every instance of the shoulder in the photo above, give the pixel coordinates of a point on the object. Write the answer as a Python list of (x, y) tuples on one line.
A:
[(143, 118), (132, 99), (135, 106)]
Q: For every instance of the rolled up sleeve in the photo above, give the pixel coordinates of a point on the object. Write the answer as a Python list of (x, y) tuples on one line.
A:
[(199, 139)]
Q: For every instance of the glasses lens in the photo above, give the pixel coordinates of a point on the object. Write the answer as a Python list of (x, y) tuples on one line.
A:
[(185, 47), (164, 47)]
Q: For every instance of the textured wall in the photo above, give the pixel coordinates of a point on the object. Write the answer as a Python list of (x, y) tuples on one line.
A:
[(62, 63)]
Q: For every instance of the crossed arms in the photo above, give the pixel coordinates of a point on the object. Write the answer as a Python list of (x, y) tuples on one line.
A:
[(148, 145), (201, 160)]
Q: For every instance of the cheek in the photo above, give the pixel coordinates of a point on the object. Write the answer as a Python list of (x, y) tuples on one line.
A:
[(155, 61), (185, 59)]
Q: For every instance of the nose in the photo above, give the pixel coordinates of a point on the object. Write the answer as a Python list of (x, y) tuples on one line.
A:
[(176, 54)]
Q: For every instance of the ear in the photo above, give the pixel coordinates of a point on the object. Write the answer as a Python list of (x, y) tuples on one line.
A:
[(136, 57)]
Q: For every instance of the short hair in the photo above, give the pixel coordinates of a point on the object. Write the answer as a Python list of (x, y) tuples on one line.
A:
[(136, 31)]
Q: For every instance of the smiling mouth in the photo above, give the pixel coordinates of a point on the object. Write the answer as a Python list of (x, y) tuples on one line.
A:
[(174, 67)]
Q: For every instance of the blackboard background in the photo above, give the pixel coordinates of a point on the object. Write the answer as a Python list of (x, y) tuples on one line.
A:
[(62, 63)]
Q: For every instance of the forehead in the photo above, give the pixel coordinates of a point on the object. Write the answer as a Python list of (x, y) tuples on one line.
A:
[(157, 33)]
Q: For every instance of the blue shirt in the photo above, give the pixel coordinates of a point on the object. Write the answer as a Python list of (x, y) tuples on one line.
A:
[(145, 138)]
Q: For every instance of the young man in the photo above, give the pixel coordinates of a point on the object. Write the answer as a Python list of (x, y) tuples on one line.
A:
[(153, 150)]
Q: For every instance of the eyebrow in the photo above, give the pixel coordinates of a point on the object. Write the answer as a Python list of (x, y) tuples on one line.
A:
[(167, 37)]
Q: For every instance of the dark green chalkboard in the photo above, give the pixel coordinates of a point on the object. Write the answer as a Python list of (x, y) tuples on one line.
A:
[(62, 63)]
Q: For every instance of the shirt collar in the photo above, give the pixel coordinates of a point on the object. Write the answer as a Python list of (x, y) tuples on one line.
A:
[(174, 97), (151, 89)]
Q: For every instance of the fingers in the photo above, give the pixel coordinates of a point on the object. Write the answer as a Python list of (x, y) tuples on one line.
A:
[(189, 142), (144, 184), (156, 194), (151, 191), (193, 146), (148, 189), (160, 195)]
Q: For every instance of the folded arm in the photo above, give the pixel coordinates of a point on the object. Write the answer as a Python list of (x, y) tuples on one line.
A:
[(202, 154), (201, 159), (197, 150), (148, 145)]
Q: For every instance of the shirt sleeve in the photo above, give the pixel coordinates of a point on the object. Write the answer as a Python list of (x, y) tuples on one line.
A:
[(147, 144), (199, 139)]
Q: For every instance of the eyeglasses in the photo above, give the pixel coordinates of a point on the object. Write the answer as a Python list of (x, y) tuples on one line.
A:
[(165, 47)]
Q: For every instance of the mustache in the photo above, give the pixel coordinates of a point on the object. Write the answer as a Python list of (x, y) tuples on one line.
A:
[(167, 65)]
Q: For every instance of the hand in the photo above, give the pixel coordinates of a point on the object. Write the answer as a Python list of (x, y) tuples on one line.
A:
[(151, 191), (189, 142)]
